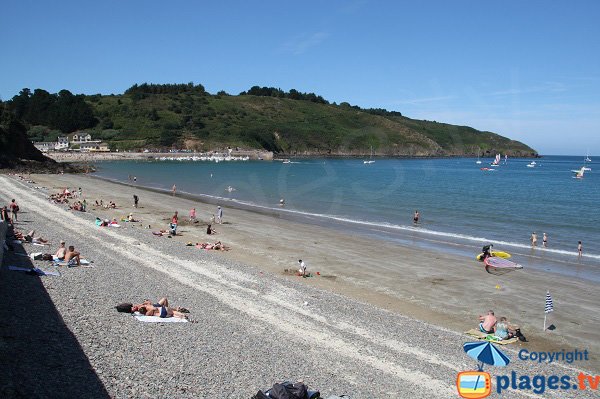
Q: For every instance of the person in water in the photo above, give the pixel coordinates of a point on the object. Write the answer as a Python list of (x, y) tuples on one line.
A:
[(580, 249), (545, 240), (533, 239), (416, 217)]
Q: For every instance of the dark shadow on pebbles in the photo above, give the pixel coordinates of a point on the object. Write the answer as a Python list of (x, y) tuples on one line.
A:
[(39, 356)]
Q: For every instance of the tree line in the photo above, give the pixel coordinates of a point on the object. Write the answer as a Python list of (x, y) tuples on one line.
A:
[(63, 110), (293, 94)]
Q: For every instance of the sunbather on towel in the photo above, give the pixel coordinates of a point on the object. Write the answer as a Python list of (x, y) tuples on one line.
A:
[(162, 302), (61, 252), (71, 254), (487, 322)]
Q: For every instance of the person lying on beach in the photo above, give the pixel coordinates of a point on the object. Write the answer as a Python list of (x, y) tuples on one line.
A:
[(29, 237), (487, 322), (210, 230), (71, 254), (218, 246), (130, 218), (61, 251), (148, 308)]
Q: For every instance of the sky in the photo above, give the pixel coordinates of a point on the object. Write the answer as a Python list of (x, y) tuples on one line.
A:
[(528, 70)]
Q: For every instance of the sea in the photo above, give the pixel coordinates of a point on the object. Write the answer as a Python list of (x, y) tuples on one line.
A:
[(461, 206)]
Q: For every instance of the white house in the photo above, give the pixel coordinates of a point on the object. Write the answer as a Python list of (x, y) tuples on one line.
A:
[(63, 143), (44, 146), (80, 137)]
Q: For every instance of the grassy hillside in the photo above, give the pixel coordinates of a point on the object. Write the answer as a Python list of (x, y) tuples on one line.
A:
[(185, 116)]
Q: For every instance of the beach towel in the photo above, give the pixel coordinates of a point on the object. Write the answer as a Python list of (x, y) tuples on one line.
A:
[(490, 337), (35, 270), (156, 319), (72, 263)]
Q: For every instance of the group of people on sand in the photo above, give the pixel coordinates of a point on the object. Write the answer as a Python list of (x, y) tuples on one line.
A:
[(499, 328), (80, 206), (159, 309)]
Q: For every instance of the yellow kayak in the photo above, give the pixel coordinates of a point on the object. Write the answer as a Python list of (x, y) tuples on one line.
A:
[(499, 254)]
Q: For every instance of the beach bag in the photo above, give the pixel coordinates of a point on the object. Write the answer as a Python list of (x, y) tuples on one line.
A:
[(36, 255), (47, 257), (288, 390), (124, 307)]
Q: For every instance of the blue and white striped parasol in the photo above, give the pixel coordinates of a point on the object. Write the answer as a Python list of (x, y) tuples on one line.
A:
[(485, 352)]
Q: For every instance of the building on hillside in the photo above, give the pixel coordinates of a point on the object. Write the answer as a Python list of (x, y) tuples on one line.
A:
[(93, 146), (80, 137), (63, 143), (45, 146)]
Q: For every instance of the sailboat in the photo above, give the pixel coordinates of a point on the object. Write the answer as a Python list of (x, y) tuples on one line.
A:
[(496, 161), (579, 172), (370, 158), (478, 160), (587, 157)]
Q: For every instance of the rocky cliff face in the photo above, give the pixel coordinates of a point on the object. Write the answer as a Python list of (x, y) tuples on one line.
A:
[(19, 154)]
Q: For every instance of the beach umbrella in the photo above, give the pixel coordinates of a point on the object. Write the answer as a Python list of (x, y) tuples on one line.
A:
[(486, 352)]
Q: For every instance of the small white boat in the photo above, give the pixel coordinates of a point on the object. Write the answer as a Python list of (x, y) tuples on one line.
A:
[(531, 164)]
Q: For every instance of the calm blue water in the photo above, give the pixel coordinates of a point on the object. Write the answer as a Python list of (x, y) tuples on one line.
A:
[(458, 202)]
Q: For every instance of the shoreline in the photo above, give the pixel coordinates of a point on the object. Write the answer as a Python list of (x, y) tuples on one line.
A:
[(557, 261), (444, 289), (83, 157)]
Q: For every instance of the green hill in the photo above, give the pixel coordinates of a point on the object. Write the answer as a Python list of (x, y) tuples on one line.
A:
[(287, 123)]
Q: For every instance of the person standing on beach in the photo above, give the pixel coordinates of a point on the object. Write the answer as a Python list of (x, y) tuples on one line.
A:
[(192, 215), (219, 215), (533, 239), (175, 218), (580, 249), (302, 267), (545, 240), (416, 217), (14, 208), (174, 189), (135, 201)]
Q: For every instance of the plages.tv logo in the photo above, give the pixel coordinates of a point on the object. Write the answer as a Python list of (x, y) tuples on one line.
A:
[(478, 384), (474, 384)]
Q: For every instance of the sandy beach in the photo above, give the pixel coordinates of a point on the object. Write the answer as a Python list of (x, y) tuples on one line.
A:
[(395, 327)]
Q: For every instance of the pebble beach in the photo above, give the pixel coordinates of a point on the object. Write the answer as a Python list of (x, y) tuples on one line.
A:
[(367, 332)]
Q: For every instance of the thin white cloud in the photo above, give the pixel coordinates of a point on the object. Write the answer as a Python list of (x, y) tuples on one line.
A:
[(300, 44)]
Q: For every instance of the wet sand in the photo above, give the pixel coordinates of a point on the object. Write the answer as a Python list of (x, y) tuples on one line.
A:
[(439, 287)]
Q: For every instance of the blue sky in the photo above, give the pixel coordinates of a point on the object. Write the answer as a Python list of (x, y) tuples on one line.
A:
[(528, 70)]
